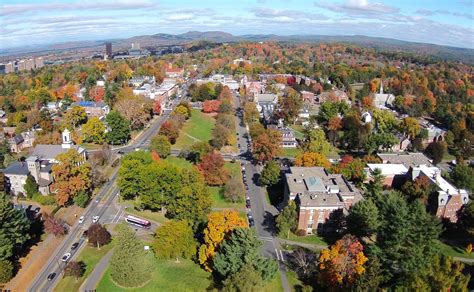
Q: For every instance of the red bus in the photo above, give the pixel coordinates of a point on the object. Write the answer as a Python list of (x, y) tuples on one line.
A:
[(142, 223)]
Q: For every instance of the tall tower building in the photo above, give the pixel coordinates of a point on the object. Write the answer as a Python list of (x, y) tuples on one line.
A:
[(108, 50)]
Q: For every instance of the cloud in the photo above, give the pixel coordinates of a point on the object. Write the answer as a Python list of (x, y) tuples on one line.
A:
[(287, 15), (359, 7), (180, 17), (16, 9), (427, 12)]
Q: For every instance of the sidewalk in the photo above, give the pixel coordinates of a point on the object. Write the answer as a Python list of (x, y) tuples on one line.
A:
[(94, 278)]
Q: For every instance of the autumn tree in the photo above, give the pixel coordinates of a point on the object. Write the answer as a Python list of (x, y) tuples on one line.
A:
[(291, 103), (267, 146), (315, 141), (234, 189), (174, 240), (74, 269), (71, 176), (342, 263), (437, 150), (170, 129), (75, 116), (93, 131), (161, 145), (420, 188), (133, 108), (219, 226), (54, 225), (212, 168), (303, 261), (211, 106), (270, 174), (309, 159), (251, 114), (411, 127), (97, 235)]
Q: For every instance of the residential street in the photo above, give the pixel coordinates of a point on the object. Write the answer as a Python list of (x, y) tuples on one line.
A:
[(96, 207)]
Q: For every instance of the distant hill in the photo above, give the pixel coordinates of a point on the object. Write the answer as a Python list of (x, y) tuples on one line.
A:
[(162, 39)]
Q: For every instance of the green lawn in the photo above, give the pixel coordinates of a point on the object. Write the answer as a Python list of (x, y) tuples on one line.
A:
[(453, 251), (198, 126), (295, 283), (90, 256), (298, 129), (311, 239), (289, 152), (179, 162), (167, 276), (218, 200)]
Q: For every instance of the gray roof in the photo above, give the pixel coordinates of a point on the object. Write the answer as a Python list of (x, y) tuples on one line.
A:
[(407, 159), (50, 152), (18, 168)]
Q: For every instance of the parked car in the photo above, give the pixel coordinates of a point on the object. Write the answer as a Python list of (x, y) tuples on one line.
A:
[(247, 204), (95, 219), (81, 219), (66, 257), (74, 245), (51, 276)]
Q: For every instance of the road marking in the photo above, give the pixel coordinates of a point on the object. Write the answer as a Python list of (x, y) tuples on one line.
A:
[(276, 251), (266, 238), (281, 254), (120, 216), (113, 219)]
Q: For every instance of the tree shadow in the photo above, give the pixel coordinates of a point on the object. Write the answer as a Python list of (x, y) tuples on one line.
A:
[(269, 223)]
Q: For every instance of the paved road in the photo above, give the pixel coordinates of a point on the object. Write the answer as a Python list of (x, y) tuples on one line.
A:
[(262, 212), (55, 265)]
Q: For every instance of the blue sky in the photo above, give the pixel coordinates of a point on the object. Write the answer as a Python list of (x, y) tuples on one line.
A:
[(28, 22)]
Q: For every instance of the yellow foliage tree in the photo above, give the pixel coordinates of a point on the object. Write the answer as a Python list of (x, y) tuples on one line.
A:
[(342, 263), (219, 225), (309, 159)]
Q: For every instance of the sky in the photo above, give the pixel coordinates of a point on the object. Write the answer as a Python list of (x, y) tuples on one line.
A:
[(34, 22)]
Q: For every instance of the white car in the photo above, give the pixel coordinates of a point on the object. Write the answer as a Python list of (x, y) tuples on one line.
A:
[(66, 256), (95, 219), (81, 219)]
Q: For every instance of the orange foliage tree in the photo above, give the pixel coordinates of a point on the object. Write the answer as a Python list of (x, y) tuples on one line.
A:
[(71, 176), (211, 106), (309, 159), (342, 263), (212, 168), (219, 226)]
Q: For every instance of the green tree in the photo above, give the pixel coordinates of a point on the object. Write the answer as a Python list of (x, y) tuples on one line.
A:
[(161, 145), (130, 173), (315, 141), (241, 248), (30, 187), (119, 128), (363, 219), (463, 177), (74, 117), (14, 227), (443, 274), (130, 265), (174, 240), (81, 199), (406, 238), (286, 221), (270, 174), (372, 278), (6, 271), (246, 279), (93, 131), (437, 150)]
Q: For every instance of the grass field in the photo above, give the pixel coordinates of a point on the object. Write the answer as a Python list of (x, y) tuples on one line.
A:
[(198, 126), (218, 200), (179, 162), (167, 276), (298, 129), (90, 256), (289, 152), (295, 283), (453, 251), (311, 239)]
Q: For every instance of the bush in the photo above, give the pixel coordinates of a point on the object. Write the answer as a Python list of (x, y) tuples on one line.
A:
[(6, 271), (300, 232), (44, 200)]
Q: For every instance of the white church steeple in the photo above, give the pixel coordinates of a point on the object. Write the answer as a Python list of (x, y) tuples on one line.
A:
[(67, 141)]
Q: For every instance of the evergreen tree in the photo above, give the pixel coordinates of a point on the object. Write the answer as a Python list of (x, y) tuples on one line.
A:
[(130, 265), (363, 219), (14, 227), (30, 187), (6, 271), (246, 279), (241, 248)]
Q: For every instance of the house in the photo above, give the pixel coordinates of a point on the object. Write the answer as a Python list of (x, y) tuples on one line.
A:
[(307, 96), (19, 142), (403, 144), (254, 87), (448, 200), (288, 139), (333, 96), (407, 159), (266, 104), (435, 134), (174, 72), (241, 60), (394, 174), (383, 100), (39, 165), (318, 194), (93, 109), (137, 81)]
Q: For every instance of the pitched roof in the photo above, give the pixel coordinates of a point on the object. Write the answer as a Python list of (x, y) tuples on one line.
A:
[(50, 152), (18, 168), (407, 159)]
